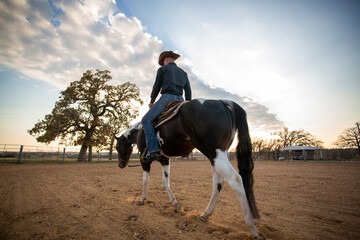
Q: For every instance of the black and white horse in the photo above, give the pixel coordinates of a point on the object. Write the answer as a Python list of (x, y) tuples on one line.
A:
[(210, 126)]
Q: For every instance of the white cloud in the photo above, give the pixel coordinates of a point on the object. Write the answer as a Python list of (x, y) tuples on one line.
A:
[(258, 115), (90, 35), (94, 35)]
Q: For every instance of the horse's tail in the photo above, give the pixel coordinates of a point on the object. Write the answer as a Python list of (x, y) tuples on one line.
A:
[(244, 157)]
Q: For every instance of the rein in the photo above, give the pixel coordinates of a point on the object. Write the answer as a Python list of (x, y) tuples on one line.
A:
[(141, 159), (136, 165)]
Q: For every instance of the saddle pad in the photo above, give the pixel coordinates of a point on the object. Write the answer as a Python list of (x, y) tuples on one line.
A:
[(171, 110)]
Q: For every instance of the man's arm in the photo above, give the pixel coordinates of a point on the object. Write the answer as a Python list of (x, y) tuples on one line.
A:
[(157, 85), (187, 89)]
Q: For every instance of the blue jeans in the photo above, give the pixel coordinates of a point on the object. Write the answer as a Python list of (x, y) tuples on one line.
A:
[(152, 144)]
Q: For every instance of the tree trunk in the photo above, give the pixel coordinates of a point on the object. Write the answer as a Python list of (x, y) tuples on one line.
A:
[(111, 148), (82, 154), (86, 144), (90, 154)]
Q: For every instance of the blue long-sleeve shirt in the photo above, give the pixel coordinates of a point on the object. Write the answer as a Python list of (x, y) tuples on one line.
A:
[(173, 80)]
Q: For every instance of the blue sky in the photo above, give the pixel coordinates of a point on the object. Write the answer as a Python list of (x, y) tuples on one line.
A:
[(292, 63)]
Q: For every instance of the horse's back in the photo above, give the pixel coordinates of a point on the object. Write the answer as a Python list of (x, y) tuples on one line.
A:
[(207, 113), (208, 123)]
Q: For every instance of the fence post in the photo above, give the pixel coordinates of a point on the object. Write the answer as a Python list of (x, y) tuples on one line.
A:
[(63, 158), (98, 152), (304, 154), (338, 155), (20, 153), (4, 152)]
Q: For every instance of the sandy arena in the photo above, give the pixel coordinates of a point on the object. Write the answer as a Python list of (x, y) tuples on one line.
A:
[(296, 200)]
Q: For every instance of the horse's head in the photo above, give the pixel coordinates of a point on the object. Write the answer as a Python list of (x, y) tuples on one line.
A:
[(124, 149)]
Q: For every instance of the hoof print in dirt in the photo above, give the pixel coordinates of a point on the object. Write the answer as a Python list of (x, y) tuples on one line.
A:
[(131, 218)]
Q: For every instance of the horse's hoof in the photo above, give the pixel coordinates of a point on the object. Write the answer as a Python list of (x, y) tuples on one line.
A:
[(203, 219), (141, 202), (178, 207), (260, 237)]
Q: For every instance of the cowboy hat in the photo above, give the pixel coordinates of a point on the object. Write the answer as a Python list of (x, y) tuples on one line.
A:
[(166, 54)]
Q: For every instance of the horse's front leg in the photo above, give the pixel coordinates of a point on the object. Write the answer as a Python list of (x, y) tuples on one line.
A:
[(146, 175), (166, 182), (218, 182)]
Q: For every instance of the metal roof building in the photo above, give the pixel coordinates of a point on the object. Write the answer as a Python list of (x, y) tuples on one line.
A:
[(303, 152)]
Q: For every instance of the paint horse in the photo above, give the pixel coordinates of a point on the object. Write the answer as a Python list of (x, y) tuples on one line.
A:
[(210, 126)]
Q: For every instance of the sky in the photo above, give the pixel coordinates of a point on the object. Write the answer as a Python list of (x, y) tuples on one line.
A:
[(287, 63)]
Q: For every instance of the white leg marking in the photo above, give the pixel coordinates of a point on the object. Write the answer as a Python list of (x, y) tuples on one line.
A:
[(166, 182), (145, 185), (218, 183), (224, 168)]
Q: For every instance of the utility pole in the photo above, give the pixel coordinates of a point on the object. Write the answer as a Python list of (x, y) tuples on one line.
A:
[(358, 137)]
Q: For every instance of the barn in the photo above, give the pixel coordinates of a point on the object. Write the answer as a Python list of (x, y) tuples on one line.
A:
[(302, 153)]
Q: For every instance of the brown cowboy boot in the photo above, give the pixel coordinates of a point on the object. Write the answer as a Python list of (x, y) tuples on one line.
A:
[(152, 157)]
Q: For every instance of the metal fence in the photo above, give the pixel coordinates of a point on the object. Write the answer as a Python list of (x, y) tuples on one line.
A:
[(26, 153), (324, 154), (15, 153)]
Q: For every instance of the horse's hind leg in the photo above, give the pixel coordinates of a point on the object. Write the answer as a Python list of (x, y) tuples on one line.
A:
[(223, 167), (166, 183), (218, 182)]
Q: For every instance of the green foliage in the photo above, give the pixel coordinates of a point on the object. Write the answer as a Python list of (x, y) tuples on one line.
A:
[(89, 112)]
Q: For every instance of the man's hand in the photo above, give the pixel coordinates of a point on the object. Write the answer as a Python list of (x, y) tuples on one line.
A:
[(150, 105)]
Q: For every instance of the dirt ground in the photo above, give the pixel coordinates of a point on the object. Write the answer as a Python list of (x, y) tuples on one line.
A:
[(296, 200)]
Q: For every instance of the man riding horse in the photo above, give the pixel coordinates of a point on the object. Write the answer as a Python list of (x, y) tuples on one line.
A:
[(205, 124), (172, 81)]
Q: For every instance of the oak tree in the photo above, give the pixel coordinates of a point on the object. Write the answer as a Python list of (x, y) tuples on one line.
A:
[(89, 113), (349, 138), (296, 137)]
